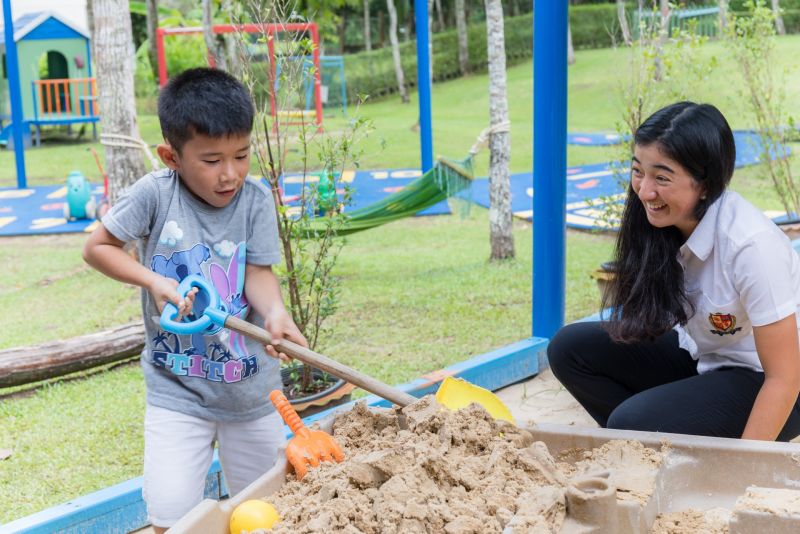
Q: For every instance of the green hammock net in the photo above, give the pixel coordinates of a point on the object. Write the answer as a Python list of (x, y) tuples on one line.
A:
[(447, 178)]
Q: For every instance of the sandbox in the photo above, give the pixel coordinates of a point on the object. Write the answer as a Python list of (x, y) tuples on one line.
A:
[(430, 470)]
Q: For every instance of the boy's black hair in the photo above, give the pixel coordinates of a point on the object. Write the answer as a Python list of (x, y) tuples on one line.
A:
[(647, 295), (204, 101)]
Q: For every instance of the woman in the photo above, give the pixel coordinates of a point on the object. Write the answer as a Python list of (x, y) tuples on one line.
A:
[(703, 337)]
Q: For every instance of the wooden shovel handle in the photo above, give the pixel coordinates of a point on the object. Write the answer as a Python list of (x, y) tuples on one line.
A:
[(319, 361)]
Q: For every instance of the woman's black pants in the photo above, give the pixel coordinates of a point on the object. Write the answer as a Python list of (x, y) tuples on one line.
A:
[(654, 386)]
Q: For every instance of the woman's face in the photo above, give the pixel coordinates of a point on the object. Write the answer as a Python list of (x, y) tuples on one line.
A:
[(667, 191)]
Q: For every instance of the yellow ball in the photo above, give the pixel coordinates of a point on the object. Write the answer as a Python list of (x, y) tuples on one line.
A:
[(252, 515)]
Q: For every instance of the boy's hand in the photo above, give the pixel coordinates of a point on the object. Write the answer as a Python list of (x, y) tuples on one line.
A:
[(163, 290), (280, 325)]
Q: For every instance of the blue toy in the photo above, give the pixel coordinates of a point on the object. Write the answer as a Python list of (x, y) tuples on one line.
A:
[(80, 204)]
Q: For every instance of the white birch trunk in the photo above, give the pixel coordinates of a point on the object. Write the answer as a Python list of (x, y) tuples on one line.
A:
[(152, 25), (367, 29), (430, 40), (570, 49), (723, 16), (398, 65), (623, 23), (113, 40), (439, 14), (461, 30), (214, 48), (500, 223), (663, 35), (776, 10)]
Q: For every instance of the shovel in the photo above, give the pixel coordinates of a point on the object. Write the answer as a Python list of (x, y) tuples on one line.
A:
[(454, 393)]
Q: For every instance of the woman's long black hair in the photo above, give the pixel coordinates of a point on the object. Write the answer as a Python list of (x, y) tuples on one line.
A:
[(647, 295)]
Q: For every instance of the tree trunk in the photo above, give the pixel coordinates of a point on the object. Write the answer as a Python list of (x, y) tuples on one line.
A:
[(776, 10), (216, 49), (723, 16), (398, 66), (663, 35), (430, 39), (381, 29), (623, 23), (570, 49), (439, 15), (367, 32), (500, 224), (23, 365), (115, 66), (152, 25), (342, 29), (90, 22), (463, 43)]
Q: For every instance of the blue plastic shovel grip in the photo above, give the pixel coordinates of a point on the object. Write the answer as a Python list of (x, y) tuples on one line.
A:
[(214, 314)]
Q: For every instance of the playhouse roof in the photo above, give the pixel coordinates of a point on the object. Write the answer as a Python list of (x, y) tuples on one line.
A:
[(43, 25)]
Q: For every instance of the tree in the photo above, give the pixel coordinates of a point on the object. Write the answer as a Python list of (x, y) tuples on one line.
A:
[(663, 35), (152, 25), (500, 223), (776, 11), (570, 49), (439, 14), (623, 22), (215, 48), (723, 16), (367, 32), (114, 58), (461, 30), (398, 66)]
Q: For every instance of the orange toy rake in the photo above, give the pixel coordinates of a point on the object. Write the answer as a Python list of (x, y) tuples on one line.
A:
[(307, 447)]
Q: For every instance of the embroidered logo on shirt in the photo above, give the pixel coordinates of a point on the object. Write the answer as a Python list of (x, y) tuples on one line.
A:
[(723, 323)]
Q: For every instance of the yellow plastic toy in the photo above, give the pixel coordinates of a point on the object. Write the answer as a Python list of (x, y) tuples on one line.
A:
[(456, 393), (253, 515)]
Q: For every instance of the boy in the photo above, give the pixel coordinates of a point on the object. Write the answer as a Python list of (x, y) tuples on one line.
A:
[(201, 215)]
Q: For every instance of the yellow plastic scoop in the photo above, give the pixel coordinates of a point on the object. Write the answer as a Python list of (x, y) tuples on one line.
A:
[(457, 393)]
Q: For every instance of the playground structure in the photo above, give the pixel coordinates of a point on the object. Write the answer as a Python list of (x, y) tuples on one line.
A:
[(703, 21), (57, 87), (332, 74), (269, 32), (121, 507)]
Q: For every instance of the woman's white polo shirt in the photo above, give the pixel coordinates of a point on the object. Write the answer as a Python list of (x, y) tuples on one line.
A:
[(740, 271)]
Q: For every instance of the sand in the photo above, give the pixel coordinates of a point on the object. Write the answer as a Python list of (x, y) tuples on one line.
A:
[(432, 470), (713, 521)]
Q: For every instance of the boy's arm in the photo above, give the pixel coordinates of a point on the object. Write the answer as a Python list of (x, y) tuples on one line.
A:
[(263, 292), (104, 252)]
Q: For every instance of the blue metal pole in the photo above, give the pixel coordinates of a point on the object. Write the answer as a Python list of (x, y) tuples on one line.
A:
[(549, 165), (424, 84), (12, 70)]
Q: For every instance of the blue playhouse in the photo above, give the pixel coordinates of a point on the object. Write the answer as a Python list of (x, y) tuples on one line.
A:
[(55, 84)]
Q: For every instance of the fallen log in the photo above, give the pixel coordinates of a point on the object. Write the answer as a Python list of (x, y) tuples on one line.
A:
[(23, 365)]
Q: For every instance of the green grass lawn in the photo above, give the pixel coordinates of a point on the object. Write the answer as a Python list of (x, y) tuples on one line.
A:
[(416, 295)]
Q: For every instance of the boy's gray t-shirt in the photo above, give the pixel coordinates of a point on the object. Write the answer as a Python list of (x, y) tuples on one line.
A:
[(225, 376)]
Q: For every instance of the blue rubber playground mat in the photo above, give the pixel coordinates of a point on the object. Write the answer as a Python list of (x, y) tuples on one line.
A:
[(40, 210), (591, 187)]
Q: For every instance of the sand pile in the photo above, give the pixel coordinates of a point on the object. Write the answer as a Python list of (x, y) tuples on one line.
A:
[(431, 470)]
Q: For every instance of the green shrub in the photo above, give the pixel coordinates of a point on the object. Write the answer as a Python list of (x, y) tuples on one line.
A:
[(594, 26)]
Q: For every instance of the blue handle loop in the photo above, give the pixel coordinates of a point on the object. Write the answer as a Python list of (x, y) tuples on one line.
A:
[(213, 318)]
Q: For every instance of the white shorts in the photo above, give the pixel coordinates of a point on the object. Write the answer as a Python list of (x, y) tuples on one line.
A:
[(178, 450)]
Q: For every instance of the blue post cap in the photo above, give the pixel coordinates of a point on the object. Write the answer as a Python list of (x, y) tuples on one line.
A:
[(213, 317)]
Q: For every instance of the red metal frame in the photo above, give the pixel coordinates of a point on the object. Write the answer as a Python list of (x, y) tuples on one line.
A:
[(266, 29)]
